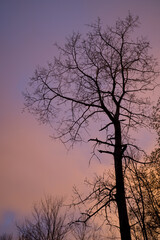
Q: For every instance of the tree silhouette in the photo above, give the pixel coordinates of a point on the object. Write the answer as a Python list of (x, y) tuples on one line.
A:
[(6, 236), (47, 222), (142, 183), (101, 78), (51, 220)]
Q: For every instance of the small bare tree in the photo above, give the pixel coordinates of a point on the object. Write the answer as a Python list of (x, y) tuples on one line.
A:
[(102, 79), (46, 223), (6, 236)]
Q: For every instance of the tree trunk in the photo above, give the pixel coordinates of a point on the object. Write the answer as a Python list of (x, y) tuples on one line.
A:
[(120, 192)]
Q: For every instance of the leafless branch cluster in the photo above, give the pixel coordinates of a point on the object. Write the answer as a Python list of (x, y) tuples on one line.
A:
[(47, 222), (51, 221), (6, 237), (101, 77), (99, 201), (143, 185)]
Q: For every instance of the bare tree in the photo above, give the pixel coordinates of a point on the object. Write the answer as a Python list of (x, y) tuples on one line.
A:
[(6, 236), (102, 78), (143, 185), (47, 222)]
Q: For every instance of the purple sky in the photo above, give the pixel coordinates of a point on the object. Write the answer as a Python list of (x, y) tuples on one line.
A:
[(31, 164)]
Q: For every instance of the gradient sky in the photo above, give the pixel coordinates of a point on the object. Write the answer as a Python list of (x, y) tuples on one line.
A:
[(31, 164)]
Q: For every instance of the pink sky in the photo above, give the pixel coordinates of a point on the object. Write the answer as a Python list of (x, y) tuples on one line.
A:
[(31, 163)]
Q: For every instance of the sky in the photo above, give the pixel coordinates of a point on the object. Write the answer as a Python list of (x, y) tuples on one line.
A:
[(32, 164)]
